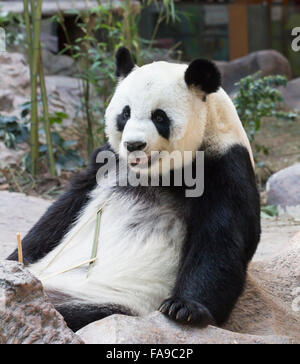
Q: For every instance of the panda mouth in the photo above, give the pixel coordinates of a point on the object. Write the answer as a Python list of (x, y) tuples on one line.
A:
[(141, 162)]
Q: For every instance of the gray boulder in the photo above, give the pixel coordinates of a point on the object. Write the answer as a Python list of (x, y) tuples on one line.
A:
[(58, 64), (26, 315), (157, 329), (269, 62), (291, 93), (283, 189), (63, 92), (267, 312), (10, 156)]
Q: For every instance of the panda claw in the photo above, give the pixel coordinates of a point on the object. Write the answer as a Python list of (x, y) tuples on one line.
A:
[(186, 311)]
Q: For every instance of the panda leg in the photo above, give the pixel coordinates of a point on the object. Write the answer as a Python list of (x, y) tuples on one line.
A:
[(78, 315)]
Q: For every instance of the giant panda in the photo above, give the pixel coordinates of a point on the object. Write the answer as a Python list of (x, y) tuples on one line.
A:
[(158, 249)]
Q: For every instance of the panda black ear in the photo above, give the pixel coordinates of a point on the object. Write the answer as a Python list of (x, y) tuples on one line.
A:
[(204, 74), (124, 62)]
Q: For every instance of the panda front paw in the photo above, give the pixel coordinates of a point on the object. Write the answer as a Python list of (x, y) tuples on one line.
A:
[(186, 311)]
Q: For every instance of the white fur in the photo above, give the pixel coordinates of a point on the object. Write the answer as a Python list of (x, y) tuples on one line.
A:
[(136, 266), (194, 121), (140, 242)]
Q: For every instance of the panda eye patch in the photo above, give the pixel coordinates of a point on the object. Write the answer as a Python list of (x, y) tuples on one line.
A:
[(159, 116), (123, 118), (126, 112), (161, 122)]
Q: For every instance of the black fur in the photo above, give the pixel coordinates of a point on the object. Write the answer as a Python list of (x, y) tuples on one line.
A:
[(78, 316), (223, 233), (56, 222), (204, 74), (223, 230), (161, 122), (123, 118), (124, 62)]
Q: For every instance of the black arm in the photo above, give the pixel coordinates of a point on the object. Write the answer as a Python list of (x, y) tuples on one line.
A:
[(58, 219), (223, 233)]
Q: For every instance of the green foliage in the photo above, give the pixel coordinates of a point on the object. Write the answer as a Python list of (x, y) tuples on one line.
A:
[(14, 28), (103, 30), (12, 131), (66, 156), (267, 212), (258, 98)]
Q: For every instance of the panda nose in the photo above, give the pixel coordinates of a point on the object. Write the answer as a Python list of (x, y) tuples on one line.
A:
[(134, 146)]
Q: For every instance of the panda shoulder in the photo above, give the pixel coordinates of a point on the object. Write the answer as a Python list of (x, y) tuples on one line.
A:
[(224, 127)]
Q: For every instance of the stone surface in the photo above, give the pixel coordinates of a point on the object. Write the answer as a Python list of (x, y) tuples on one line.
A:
[(14, 82), (15, 88), (65, 95), (269, 62), (268, 312), (291, 93), (157, 329), (9, 156), (276, 235), (283, 189), (58, 64), (18, 213), (270, 304), (26, 315)]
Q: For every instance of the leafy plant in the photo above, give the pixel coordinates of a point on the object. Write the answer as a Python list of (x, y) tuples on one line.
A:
[(104, 29), (14, 28), (258, 98), (12, 131), (66, 157), (268, 211)]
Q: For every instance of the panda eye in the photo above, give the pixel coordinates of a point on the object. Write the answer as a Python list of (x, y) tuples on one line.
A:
[(159, 116), (126, 113)]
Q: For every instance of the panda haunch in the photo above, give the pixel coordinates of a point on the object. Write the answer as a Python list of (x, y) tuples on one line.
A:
[(158, 249)]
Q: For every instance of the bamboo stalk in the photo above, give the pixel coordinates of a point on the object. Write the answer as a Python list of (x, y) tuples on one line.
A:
[(20, 249), (46, 117), (96, 240), (69, 269), (36, 13), (28, 32)]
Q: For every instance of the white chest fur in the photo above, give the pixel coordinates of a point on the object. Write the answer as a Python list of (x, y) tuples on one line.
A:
[(138, 255)]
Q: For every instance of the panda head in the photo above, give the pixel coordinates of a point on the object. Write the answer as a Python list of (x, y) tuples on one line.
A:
[(163, 107)]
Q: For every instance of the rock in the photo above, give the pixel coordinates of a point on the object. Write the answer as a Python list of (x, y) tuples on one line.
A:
[(270, 304), (58, 64), (276, 235), (14, 82), (291, 93), (9, 156), (269, 62), (26, 315), (267, 312), (63, 94), (18, 213), (6, 100), (283, 190), (49, 41), (157, 329)]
